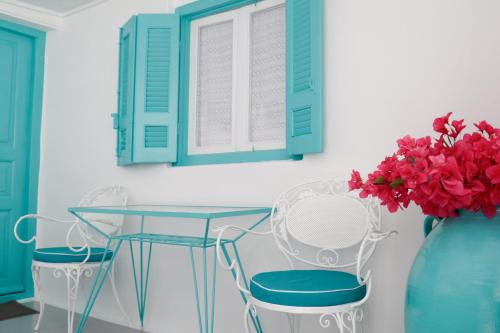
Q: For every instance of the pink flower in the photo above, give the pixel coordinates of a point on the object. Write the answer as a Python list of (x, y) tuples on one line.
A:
[(495, 195), (453, 186), (493, 173), (458, 126), (483, 126), (440, 176), (356, 182), (440, 124)]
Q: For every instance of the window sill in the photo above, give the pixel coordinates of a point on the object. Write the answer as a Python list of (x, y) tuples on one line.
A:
[(236, 157)]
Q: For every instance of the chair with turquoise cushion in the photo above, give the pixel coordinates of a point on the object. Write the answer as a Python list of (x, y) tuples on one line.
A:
[(333, 233), (68, 255), (73, 262)]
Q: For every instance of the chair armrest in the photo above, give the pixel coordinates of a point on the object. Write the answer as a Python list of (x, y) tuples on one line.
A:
[(74, 223), (372, 237), (36, 217), (84, 235), (234, 263)]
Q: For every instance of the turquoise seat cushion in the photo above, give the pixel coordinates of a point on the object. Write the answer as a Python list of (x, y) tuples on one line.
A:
[(307, 288), (66, 255)]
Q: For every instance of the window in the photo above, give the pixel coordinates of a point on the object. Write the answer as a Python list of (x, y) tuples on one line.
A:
[(238, 80), (221, 81)]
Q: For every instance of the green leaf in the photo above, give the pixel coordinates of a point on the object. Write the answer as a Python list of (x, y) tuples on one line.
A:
[(379, 180), (397, 182)]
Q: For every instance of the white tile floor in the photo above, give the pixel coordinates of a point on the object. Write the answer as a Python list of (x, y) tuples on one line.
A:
[(54, 321)]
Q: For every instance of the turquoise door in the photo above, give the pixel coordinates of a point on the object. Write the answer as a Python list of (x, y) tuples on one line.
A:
[(17, 89)]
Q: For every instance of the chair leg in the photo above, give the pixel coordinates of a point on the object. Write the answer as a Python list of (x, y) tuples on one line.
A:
[(73, 274), (246, 316), (294, 322), (350, 319), (35, 271), (341, 326), (115, 294), (356, 317), (353, 319)]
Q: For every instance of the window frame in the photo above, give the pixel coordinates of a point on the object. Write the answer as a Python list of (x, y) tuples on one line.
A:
[(241, 20), (188, 14)]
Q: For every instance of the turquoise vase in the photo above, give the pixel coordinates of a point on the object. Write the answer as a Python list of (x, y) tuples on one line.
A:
[(454, 284)]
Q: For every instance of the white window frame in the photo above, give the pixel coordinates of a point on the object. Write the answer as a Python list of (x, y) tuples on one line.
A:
[(240, 116)]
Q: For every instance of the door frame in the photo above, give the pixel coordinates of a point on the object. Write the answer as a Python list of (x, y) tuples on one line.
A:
[(38, 38)]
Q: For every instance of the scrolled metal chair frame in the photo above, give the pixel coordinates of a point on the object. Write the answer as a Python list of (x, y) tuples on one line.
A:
[(75, 270), (345, 316)]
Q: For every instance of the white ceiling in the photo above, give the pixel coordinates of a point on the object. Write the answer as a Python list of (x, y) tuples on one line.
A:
[(58, 6)]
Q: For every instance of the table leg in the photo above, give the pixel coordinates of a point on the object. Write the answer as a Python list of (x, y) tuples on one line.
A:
[(100, 277), (255, 320), (206, 318), (142, 282)]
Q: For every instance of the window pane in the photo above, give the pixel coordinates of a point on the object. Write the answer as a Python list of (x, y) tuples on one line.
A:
[(267, 76), (215, 81)]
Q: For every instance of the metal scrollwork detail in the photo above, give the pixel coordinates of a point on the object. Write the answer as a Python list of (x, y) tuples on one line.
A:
[(253, 310), (328, 257), (73, 275), (345, 321), (326, 319), (88, 272)]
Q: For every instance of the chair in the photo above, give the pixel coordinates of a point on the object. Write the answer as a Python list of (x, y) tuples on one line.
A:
[(73, 262), (330, 230)]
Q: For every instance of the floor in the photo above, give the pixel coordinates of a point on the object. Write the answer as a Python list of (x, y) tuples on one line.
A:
[(54, 321)]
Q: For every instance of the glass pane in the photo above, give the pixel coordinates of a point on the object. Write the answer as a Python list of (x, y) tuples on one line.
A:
[(215, 82), (267, 76)]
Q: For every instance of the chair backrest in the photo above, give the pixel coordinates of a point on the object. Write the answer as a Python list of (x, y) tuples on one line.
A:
[(107, 196), (323, 224)]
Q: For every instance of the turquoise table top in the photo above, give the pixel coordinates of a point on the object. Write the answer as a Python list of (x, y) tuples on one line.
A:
[(160, 210)]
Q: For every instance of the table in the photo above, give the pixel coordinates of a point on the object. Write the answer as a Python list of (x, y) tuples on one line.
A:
[(206, 215)]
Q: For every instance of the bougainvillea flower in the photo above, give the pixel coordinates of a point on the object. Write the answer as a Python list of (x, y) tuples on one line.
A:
[(493, 173), (483, 126), (458, 126), (440, 124), (356, 182), (440, 176)]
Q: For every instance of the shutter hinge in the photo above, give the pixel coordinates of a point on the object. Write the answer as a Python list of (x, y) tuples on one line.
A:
[(115, 120)]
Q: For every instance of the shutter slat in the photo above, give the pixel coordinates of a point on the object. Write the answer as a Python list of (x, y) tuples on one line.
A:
[(157, 67), (156, 136), (304, 76), (157, 71)]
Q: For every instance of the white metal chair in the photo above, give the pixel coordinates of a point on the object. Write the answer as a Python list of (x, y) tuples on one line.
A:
[(76, 261), (324, 225)]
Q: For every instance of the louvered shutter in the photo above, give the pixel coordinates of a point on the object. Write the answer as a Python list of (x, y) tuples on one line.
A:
[(123, 119), (304, 76), (157, 65)]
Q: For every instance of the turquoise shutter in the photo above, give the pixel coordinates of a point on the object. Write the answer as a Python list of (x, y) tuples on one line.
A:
[(123, 119), (304, 76), (156, 94)]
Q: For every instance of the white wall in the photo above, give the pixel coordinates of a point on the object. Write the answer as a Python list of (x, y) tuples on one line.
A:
[(391, 67)]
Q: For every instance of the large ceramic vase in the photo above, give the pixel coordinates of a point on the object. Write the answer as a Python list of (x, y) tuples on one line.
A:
[(454, 285)]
